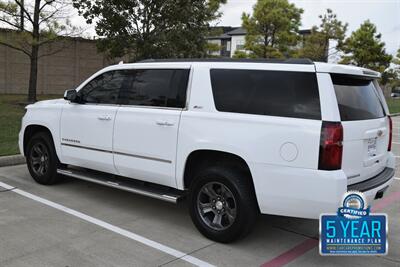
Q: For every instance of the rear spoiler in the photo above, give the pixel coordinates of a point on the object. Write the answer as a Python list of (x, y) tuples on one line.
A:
[(372, 73), (345, 69)]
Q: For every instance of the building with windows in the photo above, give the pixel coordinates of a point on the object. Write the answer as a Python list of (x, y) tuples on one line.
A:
[(232, 39)]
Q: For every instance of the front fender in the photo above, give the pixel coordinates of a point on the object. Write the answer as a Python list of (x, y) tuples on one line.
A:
[(47, 116)]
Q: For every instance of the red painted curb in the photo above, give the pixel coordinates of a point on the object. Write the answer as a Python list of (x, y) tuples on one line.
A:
[(292, 254)]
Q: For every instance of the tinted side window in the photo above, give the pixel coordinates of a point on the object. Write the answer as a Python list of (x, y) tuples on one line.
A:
[(157, 87), (275, 93), (357, 98), (104, 89)]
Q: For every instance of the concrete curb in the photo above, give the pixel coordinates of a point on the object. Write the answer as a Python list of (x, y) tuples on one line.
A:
[(12, 160)]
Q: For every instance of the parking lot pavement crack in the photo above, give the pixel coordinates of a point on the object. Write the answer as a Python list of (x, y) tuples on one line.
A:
[(194, 251), (7, 189), (389, 259), (294, 232)]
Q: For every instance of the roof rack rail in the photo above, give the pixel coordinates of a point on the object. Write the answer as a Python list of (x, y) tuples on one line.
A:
[(244, 60)]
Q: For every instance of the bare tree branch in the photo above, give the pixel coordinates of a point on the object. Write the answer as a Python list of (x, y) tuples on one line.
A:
[(24, 10), (9, 23), (49, 21), (52, 14), (16, 48), (45, 4), (49, 41), (4, 10), (64, 46)]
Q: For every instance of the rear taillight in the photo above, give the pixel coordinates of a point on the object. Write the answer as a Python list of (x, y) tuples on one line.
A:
[(331, 146), (390, 133)]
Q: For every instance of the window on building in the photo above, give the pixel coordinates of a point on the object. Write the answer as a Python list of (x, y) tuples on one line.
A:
[(240, 45), (228, 46)]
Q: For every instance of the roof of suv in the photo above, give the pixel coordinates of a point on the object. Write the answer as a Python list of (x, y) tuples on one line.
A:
[(319, 66), (235, 60)]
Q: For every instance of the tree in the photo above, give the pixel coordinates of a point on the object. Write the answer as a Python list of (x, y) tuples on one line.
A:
[(272, 28), (151, 28), (316, 46), (47, 23), (364, 48), (396, 60), (213, 49), (393, 73), (240, 54)]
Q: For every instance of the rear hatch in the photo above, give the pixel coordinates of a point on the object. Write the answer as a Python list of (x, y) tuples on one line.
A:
[(365, 126)]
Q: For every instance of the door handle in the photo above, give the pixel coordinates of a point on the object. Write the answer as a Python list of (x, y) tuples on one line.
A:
[(164, 123), (104, 118)]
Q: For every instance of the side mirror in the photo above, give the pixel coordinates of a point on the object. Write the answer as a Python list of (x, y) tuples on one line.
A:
[(71, 95)]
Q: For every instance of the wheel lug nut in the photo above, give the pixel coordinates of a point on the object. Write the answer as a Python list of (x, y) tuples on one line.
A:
[(214, 200), (219, 212), (213, 207)]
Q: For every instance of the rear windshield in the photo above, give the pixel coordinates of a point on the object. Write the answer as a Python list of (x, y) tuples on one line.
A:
[(357, 98), (261, 92)]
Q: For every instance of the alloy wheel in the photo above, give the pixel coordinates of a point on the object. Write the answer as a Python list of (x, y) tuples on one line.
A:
[(216, 206), (39, 159)]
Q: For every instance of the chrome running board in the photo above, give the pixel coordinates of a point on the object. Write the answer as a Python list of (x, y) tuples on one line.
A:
[(168, 194)]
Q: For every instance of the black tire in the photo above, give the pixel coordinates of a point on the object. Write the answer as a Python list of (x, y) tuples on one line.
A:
[(41, 153), (239, 184)]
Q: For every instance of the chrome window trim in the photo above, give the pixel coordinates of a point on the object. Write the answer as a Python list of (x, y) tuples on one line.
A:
[(129, 106), (151, 107), (96, 104)]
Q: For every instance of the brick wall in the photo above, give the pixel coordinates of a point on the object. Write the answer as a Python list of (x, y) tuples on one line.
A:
[(64, 70)]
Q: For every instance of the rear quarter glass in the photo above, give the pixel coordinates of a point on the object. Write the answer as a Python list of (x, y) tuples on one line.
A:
[(357, 98), (262, 92)]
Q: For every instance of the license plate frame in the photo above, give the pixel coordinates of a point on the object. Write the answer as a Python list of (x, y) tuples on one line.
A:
[(371, 147)]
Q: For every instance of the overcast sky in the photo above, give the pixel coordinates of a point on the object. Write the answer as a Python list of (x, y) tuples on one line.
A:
[(385, 14)]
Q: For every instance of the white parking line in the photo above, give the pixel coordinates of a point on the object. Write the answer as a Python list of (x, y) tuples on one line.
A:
[(113, 228), (397, 178)]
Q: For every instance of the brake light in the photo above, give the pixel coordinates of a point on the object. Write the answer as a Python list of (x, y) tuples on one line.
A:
[(331, 146), (390, 133)]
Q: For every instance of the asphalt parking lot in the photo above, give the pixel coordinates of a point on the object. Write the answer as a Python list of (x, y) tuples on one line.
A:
[(77, 223)]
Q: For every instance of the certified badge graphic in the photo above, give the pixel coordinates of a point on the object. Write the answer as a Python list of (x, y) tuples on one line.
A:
[(353, 230), (353, 205)]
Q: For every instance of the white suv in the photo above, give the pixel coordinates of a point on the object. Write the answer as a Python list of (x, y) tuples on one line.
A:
[(238, 138)]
